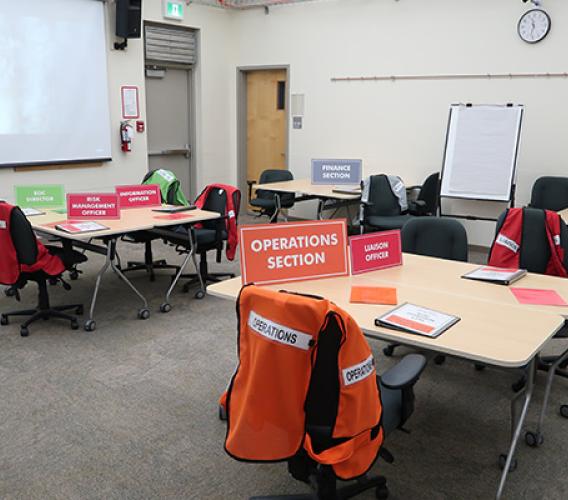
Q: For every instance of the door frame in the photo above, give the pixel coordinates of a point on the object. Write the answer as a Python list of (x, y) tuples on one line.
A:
[(191, 72), (242, 132)]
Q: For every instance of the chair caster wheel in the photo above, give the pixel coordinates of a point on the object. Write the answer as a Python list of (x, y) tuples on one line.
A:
[(90, 325), (199, 294), (52, 282), (533, 439), (9, 292), (165, 307), (24, 332), (74, 325), (479, 367), (503, 462), (143, 313), (440, 360), (564, 411), (388, 351), (222, 413), (74, 275), (381, 492), (3, 320)]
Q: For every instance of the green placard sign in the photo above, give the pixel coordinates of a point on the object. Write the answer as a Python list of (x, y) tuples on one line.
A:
[(40, 196), (173, 10)]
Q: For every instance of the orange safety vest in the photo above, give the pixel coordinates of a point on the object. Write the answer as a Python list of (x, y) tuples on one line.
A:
[(288, 345)]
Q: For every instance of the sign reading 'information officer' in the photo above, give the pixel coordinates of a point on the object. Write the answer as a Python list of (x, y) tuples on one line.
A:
[(337, 172)]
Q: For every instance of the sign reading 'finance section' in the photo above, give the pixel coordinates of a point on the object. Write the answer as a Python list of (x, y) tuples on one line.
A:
[(276, 253), (87, 206), (337, 172)]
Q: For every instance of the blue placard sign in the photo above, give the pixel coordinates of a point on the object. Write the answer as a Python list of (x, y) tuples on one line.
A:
[(337, 172)]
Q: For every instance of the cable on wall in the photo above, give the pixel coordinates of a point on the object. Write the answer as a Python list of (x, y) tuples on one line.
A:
[(478, 76)]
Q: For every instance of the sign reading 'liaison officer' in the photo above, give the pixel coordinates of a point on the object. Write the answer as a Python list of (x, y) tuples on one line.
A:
[(276, 253), (337, 172), (370, 252)]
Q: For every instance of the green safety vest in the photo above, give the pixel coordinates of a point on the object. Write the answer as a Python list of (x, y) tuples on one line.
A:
[(169, 187)]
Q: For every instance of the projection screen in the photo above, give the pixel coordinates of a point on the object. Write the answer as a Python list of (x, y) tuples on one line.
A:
[(54, 105)]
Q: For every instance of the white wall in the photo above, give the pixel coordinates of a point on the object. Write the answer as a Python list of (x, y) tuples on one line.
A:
[(400, 127)]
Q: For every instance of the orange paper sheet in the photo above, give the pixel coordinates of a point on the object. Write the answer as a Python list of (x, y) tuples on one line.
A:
[(373, 295), (538, 297)]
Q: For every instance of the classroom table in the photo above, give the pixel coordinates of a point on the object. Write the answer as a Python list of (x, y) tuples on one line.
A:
[(131, 220), (564, 215), (305, 190), (493, 329)]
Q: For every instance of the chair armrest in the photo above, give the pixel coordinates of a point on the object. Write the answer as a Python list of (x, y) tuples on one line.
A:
[(404, 374), (250, 185), (417, 207)]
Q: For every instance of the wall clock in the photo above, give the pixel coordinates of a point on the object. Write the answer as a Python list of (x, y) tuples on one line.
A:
[(534, 25)]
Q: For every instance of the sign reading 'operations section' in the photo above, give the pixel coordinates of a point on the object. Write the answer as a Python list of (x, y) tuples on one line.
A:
[(337, 172), (370, 252), (85, 206), (40, 196), (142, 195), (276, 253)]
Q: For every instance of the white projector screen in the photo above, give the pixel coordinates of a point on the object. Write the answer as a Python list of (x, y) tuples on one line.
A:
[(54, 105)]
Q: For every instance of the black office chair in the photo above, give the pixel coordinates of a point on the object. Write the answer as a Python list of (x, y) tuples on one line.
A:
[(423, 200), (381, 211), (211, 235), (433, 237), (27, 252), (534, 256), (271, 203), (146, 237), (550, 193)]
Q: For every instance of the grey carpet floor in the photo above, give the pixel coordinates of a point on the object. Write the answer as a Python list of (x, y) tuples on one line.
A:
[(130, 410)]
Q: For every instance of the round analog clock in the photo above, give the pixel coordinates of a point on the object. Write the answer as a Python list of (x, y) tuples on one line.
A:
[(534, 25)]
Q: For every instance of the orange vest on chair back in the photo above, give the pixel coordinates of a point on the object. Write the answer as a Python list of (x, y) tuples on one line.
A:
[(272, 398)]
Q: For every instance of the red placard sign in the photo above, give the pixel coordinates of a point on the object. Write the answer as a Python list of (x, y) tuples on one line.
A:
[(370, 252), (141, 195), (276, 253), (88, 206)]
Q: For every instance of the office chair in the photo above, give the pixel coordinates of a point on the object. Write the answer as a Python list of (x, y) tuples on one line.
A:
[(210, 235), (146, 237), (534, 256), (550, 193), (318, 403), (382, 210), (33, 262), (433, 237), (423, 200), (269, 202)]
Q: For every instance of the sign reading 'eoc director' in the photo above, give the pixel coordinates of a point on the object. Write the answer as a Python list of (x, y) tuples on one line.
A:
[(276, 253)]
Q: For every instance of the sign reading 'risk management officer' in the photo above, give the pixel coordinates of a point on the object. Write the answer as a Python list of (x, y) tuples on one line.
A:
[(337, 172)]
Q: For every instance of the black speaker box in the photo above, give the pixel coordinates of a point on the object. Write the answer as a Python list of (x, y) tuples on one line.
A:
[(129, 18)]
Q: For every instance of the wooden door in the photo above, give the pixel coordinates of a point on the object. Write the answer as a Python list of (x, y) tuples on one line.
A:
[(266, 121)]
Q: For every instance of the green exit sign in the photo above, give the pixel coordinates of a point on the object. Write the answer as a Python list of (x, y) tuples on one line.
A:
[(173, 10)]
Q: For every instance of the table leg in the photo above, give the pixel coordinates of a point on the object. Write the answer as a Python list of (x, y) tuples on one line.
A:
[(143, 313), (166, 306), (517, 424)]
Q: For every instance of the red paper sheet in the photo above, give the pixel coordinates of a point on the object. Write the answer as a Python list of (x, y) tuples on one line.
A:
[(538, 297), (183, 215)]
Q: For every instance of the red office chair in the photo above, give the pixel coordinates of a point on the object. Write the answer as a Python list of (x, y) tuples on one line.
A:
[(23, 258)]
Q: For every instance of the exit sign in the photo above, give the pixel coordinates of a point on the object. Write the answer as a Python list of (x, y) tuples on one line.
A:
[(173, 10)]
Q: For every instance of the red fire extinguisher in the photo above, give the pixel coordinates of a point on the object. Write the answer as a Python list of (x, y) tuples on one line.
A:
[(126, 134)]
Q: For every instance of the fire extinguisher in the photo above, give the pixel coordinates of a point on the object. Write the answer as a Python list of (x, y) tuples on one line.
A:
[(126, 135)]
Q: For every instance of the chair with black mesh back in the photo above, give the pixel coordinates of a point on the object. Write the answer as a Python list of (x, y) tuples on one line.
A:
[(534, 256), (271, 203), (25, 259), (433, 237), (381, 210), (211, 235), (423, 200), (550, 193), (146, 237)]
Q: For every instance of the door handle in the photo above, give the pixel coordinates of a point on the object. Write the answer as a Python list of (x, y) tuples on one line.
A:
[(185, 151)]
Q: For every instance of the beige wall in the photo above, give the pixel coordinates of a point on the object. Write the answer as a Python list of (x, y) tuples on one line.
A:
[(395, 127)]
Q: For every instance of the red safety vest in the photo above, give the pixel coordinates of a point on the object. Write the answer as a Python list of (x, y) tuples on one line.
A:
[(10, 268), (230, 213), (270, 394), (506, 249)]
